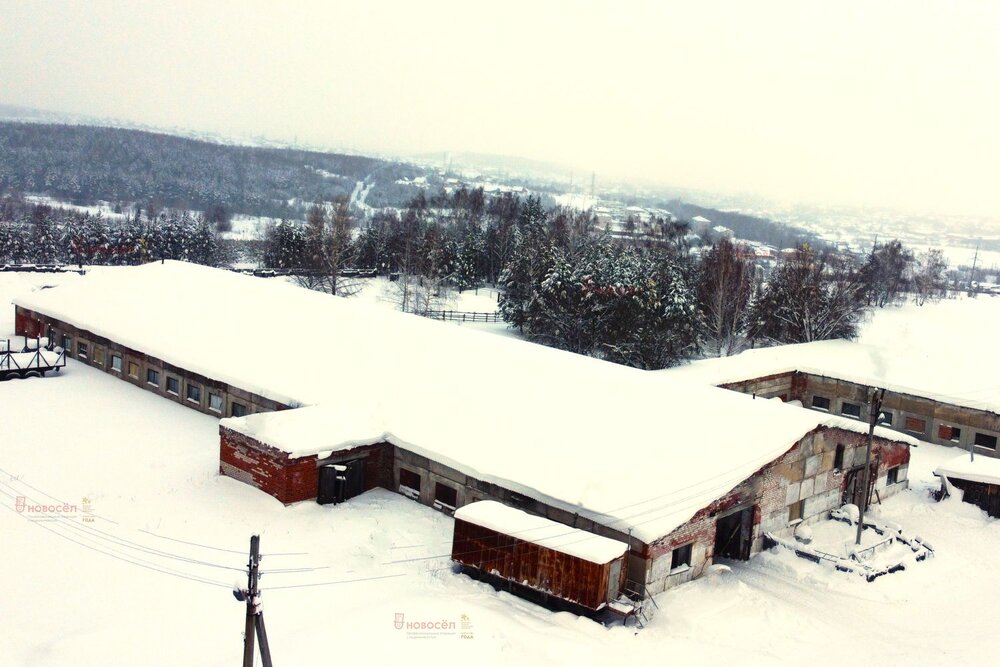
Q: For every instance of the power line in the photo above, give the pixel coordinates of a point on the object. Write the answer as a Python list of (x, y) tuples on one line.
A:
[(128, 544), (11, 477), (137, 562), (341, 581)]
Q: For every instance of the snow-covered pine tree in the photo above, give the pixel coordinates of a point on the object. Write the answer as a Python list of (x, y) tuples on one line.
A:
[(45, 244), (12, 243), (284, 246), (203, 243), (469, 260)]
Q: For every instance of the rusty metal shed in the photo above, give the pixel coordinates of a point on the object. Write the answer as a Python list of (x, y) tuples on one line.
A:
[(537, 558)]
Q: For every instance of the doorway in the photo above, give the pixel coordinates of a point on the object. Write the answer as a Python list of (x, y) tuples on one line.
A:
[(340, 481), (734, 535)]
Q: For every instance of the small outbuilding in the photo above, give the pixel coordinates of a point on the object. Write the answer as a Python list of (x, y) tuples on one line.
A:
[(537, 558), (978, 481)]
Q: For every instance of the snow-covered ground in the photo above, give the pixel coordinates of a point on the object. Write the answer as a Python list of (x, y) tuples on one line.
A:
[(151, 465)]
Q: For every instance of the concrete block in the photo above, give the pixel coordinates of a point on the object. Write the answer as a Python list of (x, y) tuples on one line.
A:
[(812, 465), (806, 490), (792, 493)]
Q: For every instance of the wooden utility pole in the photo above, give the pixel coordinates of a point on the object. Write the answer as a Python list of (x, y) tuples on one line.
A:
[(255, 616), (972, 276), (874, 413)]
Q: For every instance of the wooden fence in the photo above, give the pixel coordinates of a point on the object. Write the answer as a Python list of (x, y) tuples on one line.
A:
[(462, 316)]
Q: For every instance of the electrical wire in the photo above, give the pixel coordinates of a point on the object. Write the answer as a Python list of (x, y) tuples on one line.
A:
[(102, 535), (138, 562), (137, 545)]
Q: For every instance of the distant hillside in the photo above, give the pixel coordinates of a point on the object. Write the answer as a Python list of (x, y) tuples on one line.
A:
[(746, 226), (83, 164)]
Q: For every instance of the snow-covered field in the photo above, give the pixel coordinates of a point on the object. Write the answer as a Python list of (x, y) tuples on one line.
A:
[(150, 467)]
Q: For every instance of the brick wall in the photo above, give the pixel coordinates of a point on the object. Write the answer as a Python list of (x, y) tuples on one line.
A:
[(293, 480), (27, 323), (269, 469)]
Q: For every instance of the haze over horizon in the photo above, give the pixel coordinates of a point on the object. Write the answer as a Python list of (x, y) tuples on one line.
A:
[(848, 104)]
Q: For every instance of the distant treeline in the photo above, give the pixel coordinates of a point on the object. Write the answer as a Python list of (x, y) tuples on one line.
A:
[(747, 227), (85, 164), (40, 234)]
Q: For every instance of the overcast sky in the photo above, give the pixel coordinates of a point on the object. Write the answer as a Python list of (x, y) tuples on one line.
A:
[(876, 103)]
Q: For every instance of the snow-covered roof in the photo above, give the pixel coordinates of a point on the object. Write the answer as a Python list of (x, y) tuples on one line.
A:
[(628, 448), (541, 531), (983, 469), (938, 373)]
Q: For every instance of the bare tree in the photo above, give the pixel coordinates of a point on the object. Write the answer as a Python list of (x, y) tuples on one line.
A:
[(329, 249), (929, 281), (887, 272), (725, 290)]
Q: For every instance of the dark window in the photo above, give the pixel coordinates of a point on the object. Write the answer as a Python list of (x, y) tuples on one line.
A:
[(916, 425), (795, 511), (821, 402), (838, 458), (214, 402), (681, 556), (892, 476), (850, 409), (81, 350), (67, 343), (116, 363), (238, 410), (194, 393), (173, 385), (886, 417), (409, 480), (445, 495), (952, 433), (153, 377), (988, 441)]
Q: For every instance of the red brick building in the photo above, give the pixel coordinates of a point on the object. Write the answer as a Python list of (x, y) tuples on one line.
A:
[(681, 472)]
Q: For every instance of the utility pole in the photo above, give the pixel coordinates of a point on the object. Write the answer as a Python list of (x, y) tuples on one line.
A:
[(972, 276), (874, 415), (255, 616)]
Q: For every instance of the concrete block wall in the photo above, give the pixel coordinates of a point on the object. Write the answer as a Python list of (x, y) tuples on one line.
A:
[(770, 386), (101, 351), (932, 413), (806, 473), (699, 531), (939, 419)]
